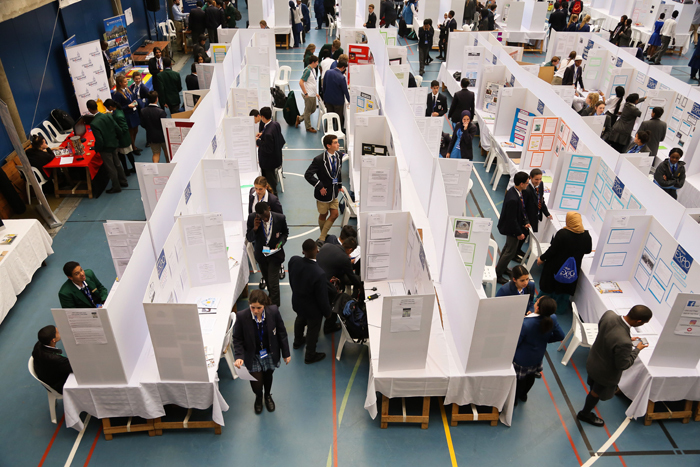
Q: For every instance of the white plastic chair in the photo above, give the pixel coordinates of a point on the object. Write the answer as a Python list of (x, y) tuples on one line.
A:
[(171, 29), (163, 27), (467, 27), (419, 80), (321, 112), (282, 78), (331, 26), (492, 155), (329, 121), (532, 254), (227, 351), (39, 131), (56, 136), (350, 208), (490, 276), (501, 169), (39, 178), (279, 171), (53, 395), (344, 338), (582, 334)]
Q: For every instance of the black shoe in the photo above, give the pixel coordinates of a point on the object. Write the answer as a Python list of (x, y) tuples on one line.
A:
[(518, 258), (269, 403), (502, 280), (522, 397), (283, 273), (317, 357), (319, 243), (520, 253), (335, 328), (590, 418), (538, 375), (113, 190), (124, 185), (258, 405), (137, 152), (300, 344), (262, 284)]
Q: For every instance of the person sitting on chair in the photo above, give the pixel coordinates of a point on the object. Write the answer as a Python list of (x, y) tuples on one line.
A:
[(50, 365), (82, 289)]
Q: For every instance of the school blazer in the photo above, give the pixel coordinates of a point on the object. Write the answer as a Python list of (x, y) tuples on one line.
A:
[(71, 297), (244, 336), (319, 175), (534, 215), (280, 232), (440, 105), (310, 288), (272, 200)]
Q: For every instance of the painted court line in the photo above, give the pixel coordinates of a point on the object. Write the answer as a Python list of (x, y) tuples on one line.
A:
[(498, 214), (345, 400), (561, 419), (598, 454), (448, 436), (69, 461), (53, 438), (92, 448)]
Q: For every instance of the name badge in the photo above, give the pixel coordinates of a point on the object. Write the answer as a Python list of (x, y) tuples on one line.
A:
[(266, 249), (335, 181), (263, 353)]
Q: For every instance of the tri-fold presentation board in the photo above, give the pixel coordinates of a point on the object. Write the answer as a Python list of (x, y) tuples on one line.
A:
[(217, 52), (588, 185), (205, 73), (417, 99), (364, 100), (370, 129), (214, 186), (257, 77), (380, 184), (485, 330), (239, 137), (122, 238), (472, 64), (401, 72), (431, 129), (175, 131), (472, 236), (361, 75), (191, 98), (455, 180), (152, 178), (242, 101), (679, 342)]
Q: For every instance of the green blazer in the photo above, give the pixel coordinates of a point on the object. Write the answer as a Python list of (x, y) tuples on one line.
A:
[(169, 87), (230, 13), (106, 131), (71, 297), (120, 120)]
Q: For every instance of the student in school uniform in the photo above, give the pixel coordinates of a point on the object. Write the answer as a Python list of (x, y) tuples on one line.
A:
[(436, 103), (460, 146), (262, 192), (520, 284), (670, 174)]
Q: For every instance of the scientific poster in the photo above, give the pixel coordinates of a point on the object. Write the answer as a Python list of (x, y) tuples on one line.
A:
[(118, 44)]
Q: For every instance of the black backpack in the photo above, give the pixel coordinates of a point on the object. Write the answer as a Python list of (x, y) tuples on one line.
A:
[(290, 111), (353, 316), (237, 14), (278, 97), (62, 120)]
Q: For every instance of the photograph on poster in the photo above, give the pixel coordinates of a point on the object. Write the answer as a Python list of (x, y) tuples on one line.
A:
[(641, 277), (463, 229), (647, 261)]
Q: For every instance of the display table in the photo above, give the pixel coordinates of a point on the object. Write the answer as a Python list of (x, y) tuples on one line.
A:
[(525, 37), (91, 163), (142, 58), (286, 32), (146, 395), (24, 256), (446, 77)]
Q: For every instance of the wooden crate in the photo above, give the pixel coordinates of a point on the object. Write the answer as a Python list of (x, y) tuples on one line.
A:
[(110, 429), (10, 169), (667, 414), (159, 425), (473, 415), (423, 419)]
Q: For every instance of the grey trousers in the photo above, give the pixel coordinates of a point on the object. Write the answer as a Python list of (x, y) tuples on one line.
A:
[(665, 40), (422, 57), (115, 171), (309, 109), (507, 255)]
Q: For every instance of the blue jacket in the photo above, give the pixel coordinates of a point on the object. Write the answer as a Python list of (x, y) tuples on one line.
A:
[(532, 344), (335, 88), (307, 17), (510, 289)]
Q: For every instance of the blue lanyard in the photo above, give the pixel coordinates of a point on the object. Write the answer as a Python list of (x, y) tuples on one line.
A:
[(268, 233), (261, 328), (332, 160)]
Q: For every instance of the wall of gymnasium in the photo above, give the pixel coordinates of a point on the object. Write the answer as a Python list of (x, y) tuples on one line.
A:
[(26, 40)]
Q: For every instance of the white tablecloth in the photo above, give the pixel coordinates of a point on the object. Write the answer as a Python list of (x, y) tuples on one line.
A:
[(521, 36), (689, 195), (25, 255), (446, 77)]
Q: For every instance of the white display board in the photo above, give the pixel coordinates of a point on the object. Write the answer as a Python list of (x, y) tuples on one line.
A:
[(472, 64), (417, 99), (152, 179), (679, 342), (380, 184), (214, 186), (401, 72), (191, 98), (242, 101), (239, 137), (204, 242), (455, 178), (87, 71), (122, 238), (431, 129), (175, 131), (205, 73), (370, 130)]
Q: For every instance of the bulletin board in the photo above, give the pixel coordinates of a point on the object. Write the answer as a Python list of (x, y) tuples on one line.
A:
[(122, 238), (521, 122), (539, 150), (175, 131)]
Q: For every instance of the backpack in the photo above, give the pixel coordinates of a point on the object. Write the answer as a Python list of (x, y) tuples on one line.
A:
[(577, 7), (568, 272), (444, 143), (290, 112), (62, 120), (403, 28), (353, 317), (237, 14), (278, 97)]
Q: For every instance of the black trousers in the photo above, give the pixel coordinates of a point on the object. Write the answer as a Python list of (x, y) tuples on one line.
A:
[(264, 380), (442, 46), (270, 270), (338, 109), (507, 255), (313, 326), (271, 176), (523, 386)]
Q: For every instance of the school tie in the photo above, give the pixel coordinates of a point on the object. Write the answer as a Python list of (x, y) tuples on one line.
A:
[(86, 292), (673, 170)]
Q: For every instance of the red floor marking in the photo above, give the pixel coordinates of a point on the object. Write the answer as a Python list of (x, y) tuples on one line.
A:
[(97, 436), (53, 438), (596, 411), (335, 413), (573, 446)]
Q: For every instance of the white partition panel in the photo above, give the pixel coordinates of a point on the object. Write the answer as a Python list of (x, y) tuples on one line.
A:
[(679, 342), (152, 179)]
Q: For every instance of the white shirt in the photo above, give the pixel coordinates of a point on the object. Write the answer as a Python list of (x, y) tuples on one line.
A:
[(611, 103), (669, 28), (310, 82), (255, 200), (80, 287), (267, 229), (562, 67), (325, 66), (625, 321), (579, 103)]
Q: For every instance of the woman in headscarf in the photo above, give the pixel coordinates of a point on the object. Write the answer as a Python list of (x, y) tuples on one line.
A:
[(570, 243), (461, 143)]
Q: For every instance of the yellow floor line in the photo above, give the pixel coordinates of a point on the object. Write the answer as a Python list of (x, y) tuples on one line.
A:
[(447, 434)]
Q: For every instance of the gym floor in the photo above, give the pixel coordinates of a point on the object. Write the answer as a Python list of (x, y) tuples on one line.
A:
[(320, 419)]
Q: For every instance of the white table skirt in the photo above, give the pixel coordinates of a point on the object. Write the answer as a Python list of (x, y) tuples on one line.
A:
[(25, 255), (689, 195)]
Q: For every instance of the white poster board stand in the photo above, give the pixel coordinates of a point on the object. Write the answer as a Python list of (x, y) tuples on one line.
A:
[(87, 71), (679, 342), (239, 135), (122, 238), (380, 184), (152, 178), (175, 131)]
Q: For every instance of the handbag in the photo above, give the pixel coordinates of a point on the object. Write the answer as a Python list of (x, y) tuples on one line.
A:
[(568, 272)]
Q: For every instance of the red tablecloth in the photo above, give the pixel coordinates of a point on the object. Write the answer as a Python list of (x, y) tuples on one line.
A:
[(92, 159)]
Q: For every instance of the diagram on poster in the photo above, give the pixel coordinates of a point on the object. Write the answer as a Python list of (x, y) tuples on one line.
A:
[(521, 121), (491, 96)]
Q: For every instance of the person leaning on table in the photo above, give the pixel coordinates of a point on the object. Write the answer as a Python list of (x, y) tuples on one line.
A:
[(259, 337), (670, 174), (612, 353), (82, 289)]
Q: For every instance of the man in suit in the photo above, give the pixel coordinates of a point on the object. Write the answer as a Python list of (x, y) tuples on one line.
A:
[(191, 80), (574, 74), (107, 134), (425, 43), (213, 18), (436, 103), (151, 115), (325, 175), (82, 289), (371, 18), (50, 365), (513, 223), (268, 231), (335, 89), (335, 261), (197, 21), (670, 174), (201, 49), (105, 58), (557, 20), (155, 65), (492, 17), (449, 25), (656, 128), (535, 207), (310, 299), (346, 231), (387, 12), (612, 353), (270, 143), (170, 85), (462, 100), (258, 119)]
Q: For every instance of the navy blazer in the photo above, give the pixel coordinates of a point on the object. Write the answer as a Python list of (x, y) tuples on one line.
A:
[(465, 143), (272, 200), (534, 213), (440, 105), (310, 288), (462, 100), (426, 36), (270, 146), (513, 217), (336, 263), (320, 175), (151, 116), (532, 344), (280, 232), (244, 336), (510, 289)]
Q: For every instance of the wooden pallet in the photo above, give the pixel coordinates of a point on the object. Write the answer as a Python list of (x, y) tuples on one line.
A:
[(110, 429), (667, 414), (159, 425), (474, 416), (697, 413), (403, 418)]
